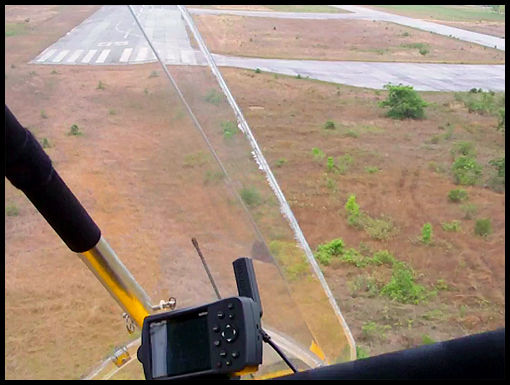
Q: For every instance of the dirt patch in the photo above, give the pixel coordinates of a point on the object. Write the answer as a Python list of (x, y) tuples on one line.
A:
[(485, 27), (355, 40)]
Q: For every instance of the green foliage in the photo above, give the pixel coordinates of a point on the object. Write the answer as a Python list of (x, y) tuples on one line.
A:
[(45, 143), (361, 353), (426, 234), (414, 45), (501, 121), (383, 258), (326, 252), (453, 227), (11, 211), (331, 184), (251, 196), (464, 149), (43, 115), (229, 129), (424, 51), (196, 159), (379, 229), (404, 103), (353, 210), (344, 162), (330, 125), (154, 74), (214, 97), (402, 286), (54, 72), (372, 170), (291, 259), (211, 177), (299, 77), (352, 134), (258, 71), (470, 210), (458, 195), (466, 171), (101, 85), (483, 227), (481, 102), (112, 111), (372, 331), (497, 183), (75, 131), (406, 34), (427, 340), (318, 154), (331, 164), (280, 162)]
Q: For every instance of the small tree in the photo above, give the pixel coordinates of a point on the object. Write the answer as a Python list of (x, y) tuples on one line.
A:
[(404, 103)]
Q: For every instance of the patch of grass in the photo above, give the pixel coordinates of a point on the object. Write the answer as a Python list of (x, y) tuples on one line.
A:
[(436, 139), (426, 234), (470, 210), (482, 103), (213, 177), (372, 170), (111, 111), (414, 45), (483, 227), (404, 103), (497, 182), (251, 196), (361, 353), (363, 284), (291, 259), (466, 171), (402, 286), (11, 211), (213, 96), (330, 125), (331, 184), (427, 340), (101, 86), (453, 227), (458, 195), (463, 149), (372, 331), (14, 29), (439, 168), (258, 71), (280, 162), (343, 164), (54, 72), (75, 131), (318, 154), (43, 115), (379, 229), (352, 134), (326, 252), (146, 91), (432, 315), (501, 120), (45, 143), (196, 159), (229, 129), (154, 74)]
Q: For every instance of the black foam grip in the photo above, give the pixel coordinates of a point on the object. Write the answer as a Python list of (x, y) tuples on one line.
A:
[(29, 169), (478, 357)]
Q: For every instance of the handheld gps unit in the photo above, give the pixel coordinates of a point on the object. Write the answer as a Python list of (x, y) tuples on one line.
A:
[(209, 341)]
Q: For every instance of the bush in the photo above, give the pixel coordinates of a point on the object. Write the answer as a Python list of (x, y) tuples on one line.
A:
[(353, 210), (452, 227), (11, 211), (424, 51), (483, 227), (214, 97), (481, 103), (280, 162), (318, 155), (258, 71), (466, 171), (497, 183), (330, 125), (427, 340), (361, 353), (372, 170), (112, 112), (404, 103), (379, 229), (45, 143), (402, 287), (426, 234), (464, 148), (229, 129), (101, 85), (331, 164), (458, 195), (75, 130), (470, 210), (251, 197), (383, 258), (326, 252), (344, 163), (352, 134)]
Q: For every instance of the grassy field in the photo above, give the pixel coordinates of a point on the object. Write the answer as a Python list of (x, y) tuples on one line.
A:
[(443, 12), (356, 40)]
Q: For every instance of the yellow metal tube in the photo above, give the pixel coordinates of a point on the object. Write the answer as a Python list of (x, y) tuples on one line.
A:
[(116, 278)]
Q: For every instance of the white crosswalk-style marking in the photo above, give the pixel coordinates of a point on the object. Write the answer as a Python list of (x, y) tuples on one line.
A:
[(47, 55), (74, 56), (126, 54), (88, 57), (60, 56), (103, 56)]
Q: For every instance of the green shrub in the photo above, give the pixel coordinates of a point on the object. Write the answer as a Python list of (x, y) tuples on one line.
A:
[(280, 162), (361, 353), (402, 287), (299, 77), (427, 340), (497, 183), (45, 143), (383, 258), (464, 149), (470, 210), (452, 227), (331, 184), (101, 85), (211, 177), (214, 97), (229, 129), (11, 211), (483, 227), (354, 257), (196, 159), (112, 111), (258, 71), (379, 229), (458, 195), (481, 102), (344, 162), (330, 125), (426, 234), (326, 252), (466, 171), (424, 51), (75, 131), (251, 196), (499, 164), (404, 103), (318, 155), (331, 164), (501, 121), (352, 134), (353, 210), (372, 170)]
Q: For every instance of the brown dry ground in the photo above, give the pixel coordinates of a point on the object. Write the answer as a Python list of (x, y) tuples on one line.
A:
[(278, 8), (355, 40), (141, 173), (486, 27)]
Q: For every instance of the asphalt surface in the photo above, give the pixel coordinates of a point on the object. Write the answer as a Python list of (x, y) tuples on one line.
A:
[(111, 37), (361, 13)]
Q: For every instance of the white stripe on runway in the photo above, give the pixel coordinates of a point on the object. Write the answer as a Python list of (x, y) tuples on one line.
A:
[(60, 56), (142, 54), (126, 54), (103, 56), (88, 57), (74, 56), (47, 55)]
